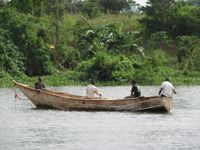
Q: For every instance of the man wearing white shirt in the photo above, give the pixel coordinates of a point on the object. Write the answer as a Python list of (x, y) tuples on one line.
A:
[(167, 89), (91, 90)]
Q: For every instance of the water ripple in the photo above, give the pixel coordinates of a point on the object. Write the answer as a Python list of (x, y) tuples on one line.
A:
[(23, 127)]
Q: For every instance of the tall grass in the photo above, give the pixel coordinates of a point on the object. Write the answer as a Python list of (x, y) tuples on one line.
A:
[(127, 22)]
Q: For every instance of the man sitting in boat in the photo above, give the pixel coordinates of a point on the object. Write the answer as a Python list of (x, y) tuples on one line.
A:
[(135, 90), (91, 90), (167, 89), (39, 84)]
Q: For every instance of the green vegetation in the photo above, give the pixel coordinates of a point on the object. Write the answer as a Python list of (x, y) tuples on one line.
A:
[(70, 42)]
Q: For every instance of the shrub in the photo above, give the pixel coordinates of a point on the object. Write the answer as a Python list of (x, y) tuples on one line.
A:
[(188, 52), (5, 79), (39, 59), (12, 60), (106, 67), (29, 36), (69, 57), (154, 69), (160, 40)]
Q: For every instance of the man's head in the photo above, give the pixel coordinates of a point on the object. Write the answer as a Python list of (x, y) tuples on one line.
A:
[(39, 79), (166, 79), (133, 82), (93, 82)]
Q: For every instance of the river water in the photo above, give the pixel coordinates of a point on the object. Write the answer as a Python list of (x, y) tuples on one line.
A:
[(23, 127)]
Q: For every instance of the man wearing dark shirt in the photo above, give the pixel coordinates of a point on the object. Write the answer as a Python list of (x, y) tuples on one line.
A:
[(135, 91)]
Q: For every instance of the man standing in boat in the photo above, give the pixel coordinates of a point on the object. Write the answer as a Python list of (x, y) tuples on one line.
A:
[(91, 90), (167, 89), (39, 84)]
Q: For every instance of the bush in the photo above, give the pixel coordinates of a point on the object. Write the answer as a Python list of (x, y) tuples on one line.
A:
[(160, 40), (39, 58), (186, 21), (68, 57), (30, 38), (106, 67), (187, 46), (92, 9), (12, 61), (5, 79), (154, 69)]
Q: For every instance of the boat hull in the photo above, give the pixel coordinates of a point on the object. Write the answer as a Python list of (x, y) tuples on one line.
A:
[(52, 99)]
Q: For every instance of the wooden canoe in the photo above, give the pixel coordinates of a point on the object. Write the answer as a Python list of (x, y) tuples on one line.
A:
[(47, 98)]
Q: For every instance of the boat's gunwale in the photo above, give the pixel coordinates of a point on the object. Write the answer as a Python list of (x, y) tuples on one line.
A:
[(66, 97), (53, 93)]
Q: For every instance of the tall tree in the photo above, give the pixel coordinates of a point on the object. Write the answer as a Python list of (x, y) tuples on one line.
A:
[(157, 15), (2, 3), (92, 8), (25, 6), (73, 6), (57, 25), (34, 7), (193, 2), (115, 6)]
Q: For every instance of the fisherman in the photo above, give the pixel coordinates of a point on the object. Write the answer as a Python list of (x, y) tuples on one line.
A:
[(167, 89), (91, 90), (135, 90), (39, 84)]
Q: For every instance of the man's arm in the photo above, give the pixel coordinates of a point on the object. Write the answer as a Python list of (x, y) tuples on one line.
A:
[(96, 91), (160, 91), (132, 90), (36, 85), (174, 91)]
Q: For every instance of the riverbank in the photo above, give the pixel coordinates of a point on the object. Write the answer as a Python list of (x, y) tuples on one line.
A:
[(112, 48), (69, 79)]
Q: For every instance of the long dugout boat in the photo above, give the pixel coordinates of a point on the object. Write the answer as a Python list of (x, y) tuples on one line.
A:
[(61, 100)]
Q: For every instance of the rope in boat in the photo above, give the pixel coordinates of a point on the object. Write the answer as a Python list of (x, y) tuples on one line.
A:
[(17, 97)]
